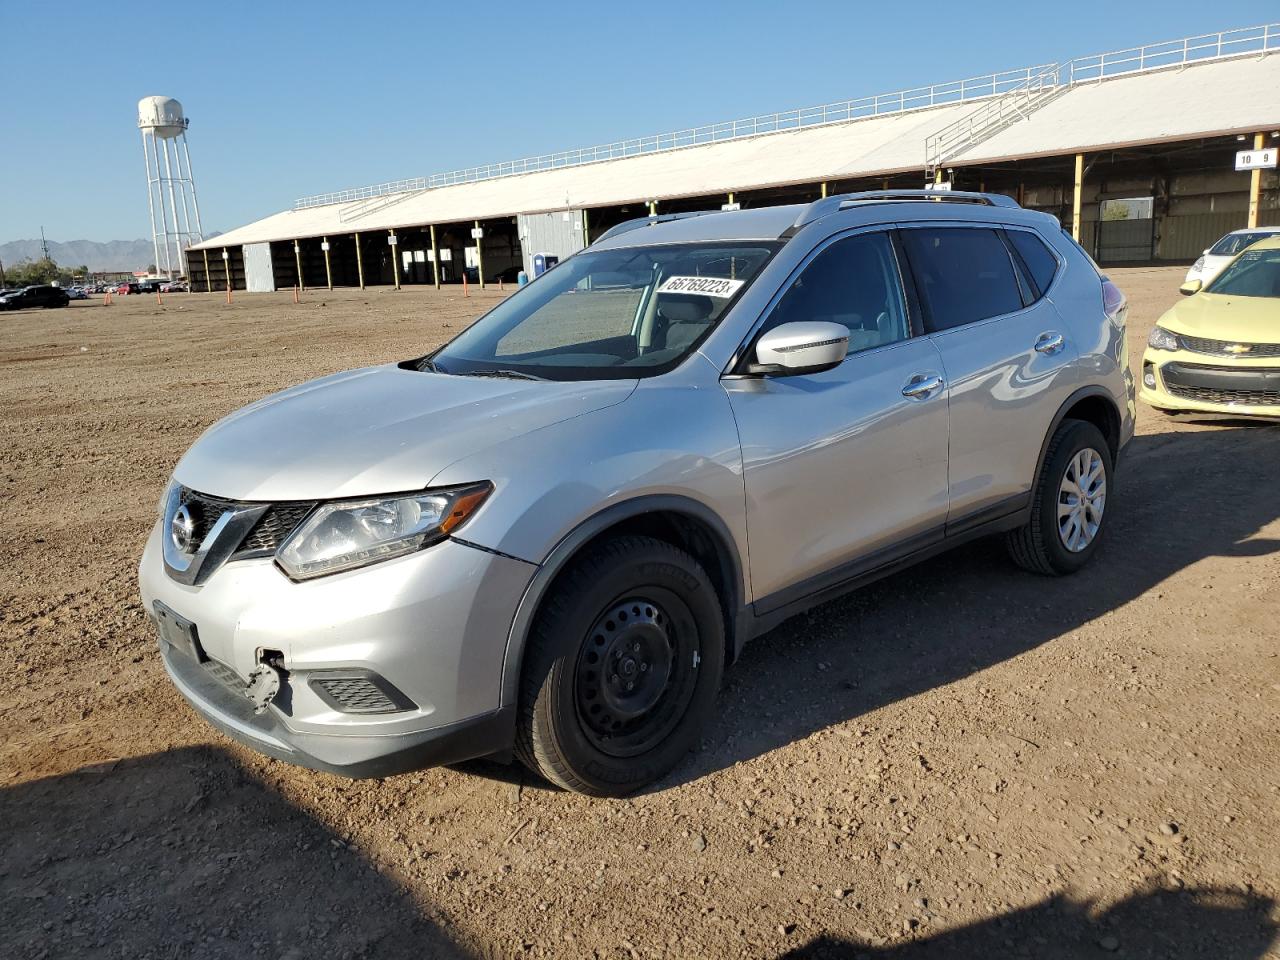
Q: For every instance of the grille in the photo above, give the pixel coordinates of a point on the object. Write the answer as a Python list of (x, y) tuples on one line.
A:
[(360, 694), (267, 534), (224, 675), (205, 511), (1218, 348), (1256, 398), (274, 526)]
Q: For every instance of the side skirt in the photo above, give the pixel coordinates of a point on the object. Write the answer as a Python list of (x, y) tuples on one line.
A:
[(768, 612)]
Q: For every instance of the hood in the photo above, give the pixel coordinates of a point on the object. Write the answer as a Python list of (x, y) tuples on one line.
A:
[(377, 430), (1218, 317)]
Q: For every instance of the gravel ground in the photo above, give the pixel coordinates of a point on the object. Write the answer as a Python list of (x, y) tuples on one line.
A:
[(964, 760)]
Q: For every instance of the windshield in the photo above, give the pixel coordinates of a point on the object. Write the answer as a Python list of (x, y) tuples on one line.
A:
[(1255, 273), (611, 314), (1233, 243)]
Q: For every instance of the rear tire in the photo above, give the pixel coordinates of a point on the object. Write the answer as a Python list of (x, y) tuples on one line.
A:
[(622, 668), (1069, 503)]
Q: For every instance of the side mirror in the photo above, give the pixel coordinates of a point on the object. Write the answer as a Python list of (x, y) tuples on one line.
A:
[(1190, 287), (800, 347)]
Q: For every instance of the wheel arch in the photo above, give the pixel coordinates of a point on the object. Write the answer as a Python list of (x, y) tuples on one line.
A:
[(686, 523), (1092, 404)]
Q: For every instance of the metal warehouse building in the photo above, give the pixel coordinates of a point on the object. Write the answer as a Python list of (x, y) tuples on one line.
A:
[(1133, 150)]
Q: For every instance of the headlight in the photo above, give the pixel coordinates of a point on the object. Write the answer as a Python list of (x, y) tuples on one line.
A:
[(1162, 339), (1199, 264), (341, 536)]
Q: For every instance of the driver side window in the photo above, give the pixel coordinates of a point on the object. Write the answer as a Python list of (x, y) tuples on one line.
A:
[(853, 282)]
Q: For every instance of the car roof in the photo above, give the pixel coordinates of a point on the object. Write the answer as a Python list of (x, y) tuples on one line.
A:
[(1254, 230), (779, 223)]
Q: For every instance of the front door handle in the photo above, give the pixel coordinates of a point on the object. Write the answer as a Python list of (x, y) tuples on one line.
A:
[(1050, 343), (922, 386)]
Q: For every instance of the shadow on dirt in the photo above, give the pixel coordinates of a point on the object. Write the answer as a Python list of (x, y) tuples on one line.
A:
[(1180, 497), (185, 854), (1157, 925)]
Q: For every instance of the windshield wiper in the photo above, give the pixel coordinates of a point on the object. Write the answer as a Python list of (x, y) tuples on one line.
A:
[(507, 374)]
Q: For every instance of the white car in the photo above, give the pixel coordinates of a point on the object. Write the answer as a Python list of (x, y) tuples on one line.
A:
[(1212, 261)]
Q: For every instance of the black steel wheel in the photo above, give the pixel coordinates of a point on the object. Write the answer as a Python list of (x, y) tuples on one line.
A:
[(622, 669)]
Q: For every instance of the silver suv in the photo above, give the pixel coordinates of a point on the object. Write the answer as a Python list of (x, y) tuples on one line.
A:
[(551, 536)]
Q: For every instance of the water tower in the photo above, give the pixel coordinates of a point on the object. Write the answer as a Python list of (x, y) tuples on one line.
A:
[(163, 128)]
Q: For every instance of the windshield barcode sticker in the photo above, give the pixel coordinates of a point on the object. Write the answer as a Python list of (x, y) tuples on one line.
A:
[(707, 286)]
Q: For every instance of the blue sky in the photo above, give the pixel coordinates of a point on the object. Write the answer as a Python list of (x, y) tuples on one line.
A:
[(288, 99)]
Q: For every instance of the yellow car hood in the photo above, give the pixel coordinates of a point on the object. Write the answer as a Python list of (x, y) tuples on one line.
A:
[(1218, 317)]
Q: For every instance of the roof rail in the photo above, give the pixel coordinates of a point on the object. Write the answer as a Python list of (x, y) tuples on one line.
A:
[(829, 205), (628, 225)]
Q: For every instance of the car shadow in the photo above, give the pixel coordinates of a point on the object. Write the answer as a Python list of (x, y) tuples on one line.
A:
[(186, 854), (1155, 924), (1179, 497)]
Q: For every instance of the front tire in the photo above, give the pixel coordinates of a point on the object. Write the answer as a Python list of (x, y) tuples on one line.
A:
[(622, 668), (1069, 503)]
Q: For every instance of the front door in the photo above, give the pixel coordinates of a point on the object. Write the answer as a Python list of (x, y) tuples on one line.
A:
[(848, 467)]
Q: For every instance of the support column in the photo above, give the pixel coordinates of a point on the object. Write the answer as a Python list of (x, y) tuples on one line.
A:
[(328, 272), (824, 189), (1255, 185), (359, 260), (395, 256), (208, 277), (479, 256), (226, 265), (653, 208), (297, 260), (435, 258), (586, 237), (1075, 198)]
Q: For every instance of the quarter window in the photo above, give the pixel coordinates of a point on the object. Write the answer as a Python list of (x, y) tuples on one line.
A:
[(853, 282), (1039, 261), (964, 275)]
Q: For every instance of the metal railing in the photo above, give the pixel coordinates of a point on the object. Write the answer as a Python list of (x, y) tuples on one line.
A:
[(1097, 67)]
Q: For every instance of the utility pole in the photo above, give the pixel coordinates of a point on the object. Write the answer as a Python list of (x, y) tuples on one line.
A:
[(44, 244)]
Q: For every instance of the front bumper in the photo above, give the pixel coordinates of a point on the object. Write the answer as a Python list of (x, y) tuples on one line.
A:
[(434, 624), (1195, 382)]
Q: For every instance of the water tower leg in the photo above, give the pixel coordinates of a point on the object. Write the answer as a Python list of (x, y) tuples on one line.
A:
[(151, 206)]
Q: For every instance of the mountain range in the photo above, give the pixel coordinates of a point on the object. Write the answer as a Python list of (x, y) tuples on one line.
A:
[(112, 255)]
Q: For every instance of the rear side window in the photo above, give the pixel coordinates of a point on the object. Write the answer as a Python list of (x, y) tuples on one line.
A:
[(964, 275), (1036, 256)]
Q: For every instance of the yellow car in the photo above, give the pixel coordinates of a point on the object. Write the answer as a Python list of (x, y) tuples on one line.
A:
[(1218, 351)]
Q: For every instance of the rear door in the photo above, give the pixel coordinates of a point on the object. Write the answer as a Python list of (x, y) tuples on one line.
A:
[(1007, 354), (846, 466)]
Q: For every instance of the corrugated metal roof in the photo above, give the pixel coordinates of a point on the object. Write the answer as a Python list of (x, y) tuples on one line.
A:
[(1219, 97)]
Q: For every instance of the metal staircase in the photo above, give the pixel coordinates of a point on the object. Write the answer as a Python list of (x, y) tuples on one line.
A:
[(362, 208), (994, 115)]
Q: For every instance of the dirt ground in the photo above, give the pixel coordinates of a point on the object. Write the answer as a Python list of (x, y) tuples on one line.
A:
[(964, 760)]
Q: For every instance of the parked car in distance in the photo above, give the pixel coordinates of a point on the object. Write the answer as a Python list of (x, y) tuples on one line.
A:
[(552, 535), (77, 293), (42, 295), (1218, 351), (174, 286), (1210, 263), (125, 288)]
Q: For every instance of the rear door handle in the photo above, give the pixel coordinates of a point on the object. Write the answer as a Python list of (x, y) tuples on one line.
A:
[(922, 386), (1050, 343)]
